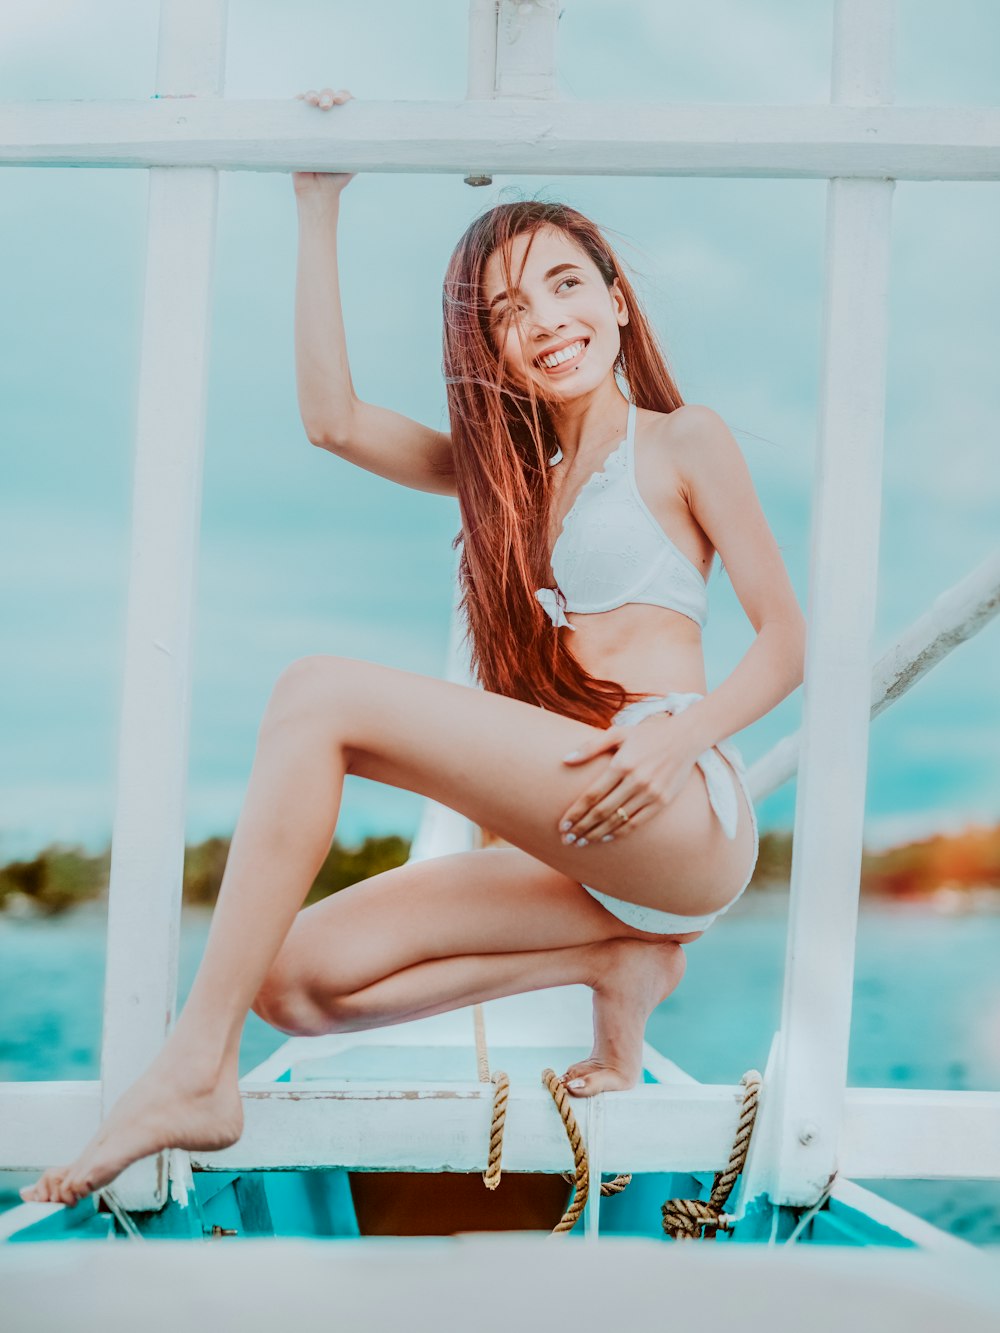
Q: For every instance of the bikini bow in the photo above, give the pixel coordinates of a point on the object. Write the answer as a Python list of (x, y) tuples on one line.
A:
[(554, 602)]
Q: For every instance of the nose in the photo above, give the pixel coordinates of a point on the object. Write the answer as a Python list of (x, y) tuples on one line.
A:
[(545, 323)]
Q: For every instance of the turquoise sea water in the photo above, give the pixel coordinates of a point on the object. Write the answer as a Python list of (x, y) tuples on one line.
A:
[(926, 1013)]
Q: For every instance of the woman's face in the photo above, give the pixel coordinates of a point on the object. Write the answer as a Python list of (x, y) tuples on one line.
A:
[(568, 319)]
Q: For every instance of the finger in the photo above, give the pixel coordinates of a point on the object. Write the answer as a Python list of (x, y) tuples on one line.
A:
[(591, 748), (570, 825), (591, 807), (606, 819), (615, 828)]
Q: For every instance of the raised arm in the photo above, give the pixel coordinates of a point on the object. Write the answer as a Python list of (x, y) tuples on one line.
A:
[(334, 417)]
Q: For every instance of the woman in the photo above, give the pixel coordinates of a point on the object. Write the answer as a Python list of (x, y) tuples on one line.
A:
[(590, 521)]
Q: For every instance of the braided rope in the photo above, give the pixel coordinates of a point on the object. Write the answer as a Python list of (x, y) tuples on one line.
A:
[(580, 1177), (501, 1094), (501, 1091), (607, 1186), (581, 1163), (697, 1219)]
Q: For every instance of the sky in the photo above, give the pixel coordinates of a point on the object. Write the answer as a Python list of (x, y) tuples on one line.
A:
[(303, 553)]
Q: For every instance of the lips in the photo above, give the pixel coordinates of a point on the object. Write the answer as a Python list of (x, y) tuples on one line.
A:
[(569, 364)]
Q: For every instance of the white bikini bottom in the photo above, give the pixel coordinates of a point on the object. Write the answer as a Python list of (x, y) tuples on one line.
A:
[(724, 800)]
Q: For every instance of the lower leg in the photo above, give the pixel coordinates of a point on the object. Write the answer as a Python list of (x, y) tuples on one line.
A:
[(629, 979), (282, 837), (436, 986), (188, 1097)]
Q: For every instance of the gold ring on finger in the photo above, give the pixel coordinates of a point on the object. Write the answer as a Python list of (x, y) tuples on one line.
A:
[(622, 815)]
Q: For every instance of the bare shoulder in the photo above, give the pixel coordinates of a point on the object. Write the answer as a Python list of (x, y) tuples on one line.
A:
[(701, 444)]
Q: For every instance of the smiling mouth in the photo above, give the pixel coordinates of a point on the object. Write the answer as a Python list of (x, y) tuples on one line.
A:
[(567, 358)]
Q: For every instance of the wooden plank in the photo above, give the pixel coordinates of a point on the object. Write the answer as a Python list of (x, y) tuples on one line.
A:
[(868, 1208), (806, 1095), (887, 1133), (403, 1127), (920, 1134), (45, 1123), (148, 839), (952, 619), (497, 1284), (521, 136)]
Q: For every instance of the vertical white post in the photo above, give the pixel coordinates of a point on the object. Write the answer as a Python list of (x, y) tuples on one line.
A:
[(148, 844), (803, 1103), (482, 71), (442, 830), (526, 48), (511, 53), (593, 1137)]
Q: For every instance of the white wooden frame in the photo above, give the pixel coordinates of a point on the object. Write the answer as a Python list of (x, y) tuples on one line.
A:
[(810, 1123)]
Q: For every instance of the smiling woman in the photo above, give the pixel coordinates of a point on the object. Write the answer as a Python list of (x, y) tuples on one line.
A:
[(540, 324)]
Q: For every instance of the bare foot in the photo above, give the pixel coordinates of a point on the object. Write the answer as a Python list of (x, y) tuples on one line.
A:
[(633, 978), (167, 1107)]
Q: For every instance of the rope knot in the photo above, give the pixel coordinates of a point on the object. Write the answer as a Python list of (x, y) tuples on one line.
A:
[(700, 1219)]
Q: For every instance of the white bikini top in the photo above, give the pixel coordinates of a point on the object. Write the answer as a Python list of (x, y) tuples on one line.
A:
[(612, 549)]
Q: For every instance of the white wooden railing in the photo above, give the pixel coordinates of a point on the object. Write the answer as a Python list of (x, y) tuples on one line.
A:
[(809, 1122)]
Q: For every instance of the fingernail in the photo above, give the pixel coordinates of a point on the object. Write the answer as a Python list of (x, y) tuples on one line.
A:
[(608, 837), (581, 842), (566, 824), (575, 1083), (573, 754), (568, 838)]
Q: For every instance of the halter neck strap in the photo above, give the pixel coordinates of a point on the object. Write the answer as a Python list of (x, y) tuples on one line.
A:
[(630, 425)]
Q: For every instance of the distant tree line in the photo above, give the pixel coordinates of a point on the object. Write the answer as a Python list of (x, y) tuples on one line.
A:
[(61, 877)]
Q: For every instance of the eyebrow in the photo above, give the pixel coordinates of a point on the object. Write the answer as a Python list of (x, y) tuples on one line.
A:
[(559, 268)]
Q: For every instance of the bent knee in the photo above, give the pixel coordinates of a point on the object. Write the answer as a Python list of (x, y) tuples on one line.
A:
[(308, 688), (293, 1010), (289, 1010)]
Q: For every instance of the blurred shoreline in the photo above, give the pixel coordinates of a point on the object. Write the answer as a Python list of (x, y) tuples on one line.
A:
[(947, 873)]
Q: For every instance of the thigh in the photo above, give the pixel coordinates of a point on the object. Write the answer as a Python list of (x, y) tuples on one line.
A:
[(498, 761), (496, 900)]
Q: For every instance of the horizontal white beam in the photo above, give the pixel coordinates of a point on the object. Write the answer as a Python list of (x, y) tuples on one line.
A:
[(953, 618), (919, 1134), (887, 1133), (45, 1123), (510, 135), (433, 1127), (490, 1283)]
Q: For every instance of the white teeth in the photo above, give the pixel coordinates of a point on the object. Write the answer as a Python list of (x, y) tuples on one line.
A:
[(567, 354)]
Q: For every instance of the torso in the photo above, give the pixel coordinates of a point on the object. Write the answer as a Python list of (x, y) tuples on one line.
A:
[(646, 649)]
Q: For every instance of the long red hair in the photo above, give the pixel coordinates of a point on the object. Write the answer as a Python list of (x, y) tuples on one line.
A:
[(502, 436)]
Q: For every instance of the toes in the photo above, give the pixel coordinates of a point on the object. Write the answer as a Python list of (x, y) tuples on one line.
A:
[(582, 1086), (589, 1082), (577, 1071), (46, 1187), (577, 1080), (67, 1194), (74, 1187)]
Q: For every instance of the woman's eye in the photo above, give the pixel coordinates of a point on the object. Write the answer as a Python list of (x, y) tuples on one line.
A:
[(505, 314)]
